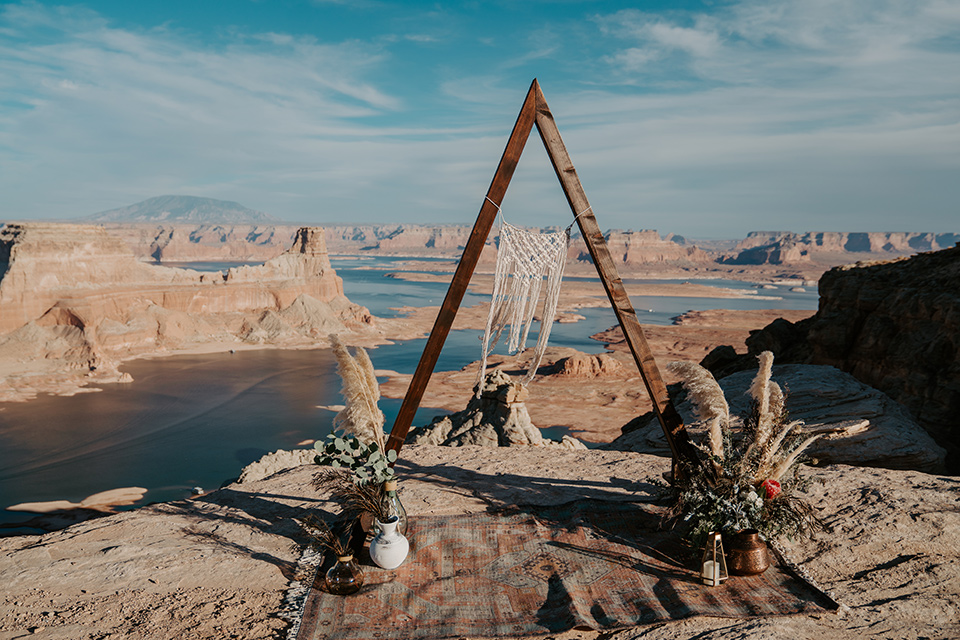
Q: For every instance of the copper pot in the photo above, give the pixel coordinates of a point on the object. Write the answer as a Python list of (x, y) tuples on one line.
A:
[(747, 554)]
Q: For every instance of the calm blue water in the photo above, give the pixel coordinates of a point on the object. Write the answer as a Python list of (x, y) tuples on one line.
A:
[(197, 420)]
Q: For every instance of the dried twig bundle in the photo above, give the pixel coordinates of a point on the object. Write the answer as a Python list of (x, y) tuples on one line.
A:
[(354, 499), (323, 537), (361, 417)]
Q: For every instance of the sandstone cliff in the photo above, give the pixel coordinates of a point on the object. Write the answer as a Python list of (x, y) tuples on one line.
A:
[(75, 298), (783, 247), (633, 248), (204, 242), (212, 242), (893, 325)]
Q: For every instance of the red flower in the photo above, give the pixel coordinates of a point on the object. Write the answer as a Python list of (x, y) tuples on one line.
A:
[(772, 487)]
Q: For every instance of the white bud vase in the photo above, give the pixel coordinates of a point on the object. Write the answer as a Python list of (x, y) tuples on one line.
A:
[(389, 548)]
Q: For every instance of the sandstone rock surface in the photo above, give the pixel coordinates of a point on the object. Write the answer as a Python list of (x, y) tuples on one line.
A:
[(894, 326), (218, 566), (780, 247), (76, 301), (498, 418), (861, 426)]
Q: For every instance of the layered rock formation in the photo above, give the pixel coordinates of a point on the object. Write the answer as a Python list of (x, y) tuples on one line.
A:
[(893, 325), (75, 297), (245, 242), (205, 242), (633, 248), (498, 418), (782, 247), (860, 425)]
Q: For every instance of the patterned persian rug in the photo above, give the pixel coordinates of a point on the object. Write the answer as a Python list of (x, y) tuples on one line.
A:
[(590, 565)]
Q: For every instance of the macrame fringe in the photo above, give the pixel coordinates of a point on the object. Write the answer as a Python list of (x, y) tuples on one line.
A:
[(524, 259)]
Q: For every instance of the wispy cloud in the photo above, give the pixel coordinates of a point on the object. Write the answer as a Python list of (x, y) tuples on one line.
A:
[(803, 115)]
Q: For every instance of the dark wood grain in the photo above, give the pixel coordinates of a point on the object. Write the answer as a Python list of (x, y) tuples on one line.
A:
[(465, 268), (536, 111), (670, 420)]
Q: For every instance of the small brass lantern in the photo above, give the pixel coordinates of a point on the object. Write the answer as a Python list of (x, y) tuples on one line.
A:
[(713, 567)]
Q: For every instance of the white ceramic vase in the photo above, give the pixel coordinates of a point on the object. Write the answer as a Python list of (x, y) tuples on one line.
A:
[(389, 548)]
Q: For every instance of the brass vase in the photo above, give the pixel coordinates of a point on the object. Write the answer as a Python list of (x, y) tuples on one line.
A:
[(747, 554)]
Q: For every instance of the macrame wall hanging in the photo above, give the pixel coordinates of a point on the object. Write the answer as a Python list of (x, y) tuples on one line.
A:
[(524, 260)]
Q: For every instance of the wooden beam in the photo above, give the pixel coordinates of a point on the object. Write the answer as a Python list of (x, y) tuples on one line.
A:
[(670, 420), (465, 269)]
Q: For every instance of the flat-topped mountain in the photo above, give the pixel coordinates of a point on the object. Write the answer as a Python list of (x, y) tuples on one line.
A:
[(184, 210)]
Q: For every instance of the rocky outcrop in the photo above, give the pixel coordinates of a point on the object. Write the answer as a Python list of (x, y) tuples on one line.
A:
[(861, 426), (76, 297), (498, 418), (275, 462), (893, 325), (589, 366), (195, 568), (632, 248), (171, 242), (896, 327), (246, 242), (785, 247), (79, 275)]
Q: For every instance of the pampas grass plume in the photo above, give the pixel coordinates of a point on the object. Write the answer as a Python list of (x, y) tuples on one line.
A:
[(360, 417), (760, 392), (785, 463), (707, 398)]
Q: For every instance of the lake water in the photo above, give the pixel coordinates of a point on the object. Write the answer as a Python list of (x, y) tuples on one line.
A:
[(191, 421)]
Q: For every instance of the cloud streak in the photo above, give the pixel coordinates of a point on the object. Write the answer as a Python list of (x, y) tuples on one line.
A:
[(814, 115)]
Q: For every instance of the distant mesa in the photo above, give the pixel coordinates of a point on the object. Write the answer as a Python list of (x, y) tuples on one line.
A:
[(184, 209)]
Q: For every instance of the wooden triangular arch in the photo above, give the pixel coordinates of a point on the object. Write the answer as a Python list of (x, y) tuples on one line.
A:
[(536, 111)]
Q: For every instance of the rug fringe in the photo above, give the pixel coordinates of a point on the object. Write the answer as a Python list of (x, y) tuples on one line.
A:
[(295, 599)]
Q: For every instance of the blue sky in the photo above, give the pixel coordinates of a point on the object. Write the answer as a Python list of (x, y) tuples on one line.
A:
[(708, 119)]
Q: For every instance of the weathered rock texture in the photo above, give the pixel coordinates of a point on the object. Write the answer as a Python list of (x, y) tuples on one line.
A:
[(894, 326), (276, 462), (779, 247), (862, 426), (218, 566), (179, 242), (498, 418), (77, 296), (205, 242), (632, 248)]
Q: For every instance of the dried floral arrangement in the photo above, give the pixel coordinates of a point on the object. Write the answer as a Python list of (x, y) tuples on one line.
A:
[(360, 445), (748, 479), (322, 537), (354, 499)]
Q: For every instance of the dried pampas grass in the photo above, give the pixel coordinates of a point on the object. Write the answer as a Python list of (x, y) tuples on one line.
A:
[(708, 400), (361, 416), (760, 392)]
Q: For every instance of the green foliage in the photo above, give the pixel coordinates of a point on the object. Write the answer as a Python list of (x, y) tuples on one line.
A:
[(727, 493), (367, 462), (732, 503)]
